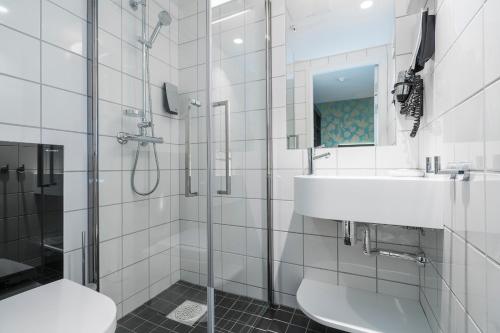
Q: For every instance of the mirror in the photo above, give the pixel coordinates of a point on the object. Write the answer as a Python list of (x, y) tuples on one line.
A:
[(340, 73), (344, 106)]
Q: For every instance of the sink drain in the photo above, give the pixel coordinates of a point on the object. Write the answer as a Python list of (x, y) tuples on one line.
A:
[(188, 313)]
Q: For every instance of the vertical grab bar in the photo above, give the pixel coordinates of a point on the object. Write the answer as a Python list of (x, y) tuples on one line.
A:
[(227, 117), (187, 168)]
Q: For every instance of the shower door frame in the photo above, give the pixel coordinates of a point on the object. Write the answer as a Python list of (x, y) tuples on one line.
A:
[(92, 275)]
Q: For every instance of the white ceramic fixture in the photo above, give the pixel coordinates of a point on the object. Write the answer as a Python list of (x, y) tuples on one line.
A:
[(360, 311), (405, 201), (58, 307)]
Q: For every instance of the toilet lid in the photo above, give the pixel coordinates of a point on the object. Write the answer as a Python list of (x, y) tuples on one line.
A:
[(58, 307)]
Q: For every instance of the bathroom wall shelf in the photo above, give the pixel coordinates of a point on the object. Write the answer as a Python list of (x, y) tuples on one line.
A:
[(360, 311)]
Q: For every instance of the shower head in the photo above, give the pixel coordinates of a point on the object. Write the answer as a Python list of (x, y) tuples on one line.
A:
[(164, 19)]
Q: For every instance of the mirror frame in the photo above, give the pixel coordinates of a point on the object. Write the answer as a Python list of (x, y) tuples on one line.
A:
[(378, 56)]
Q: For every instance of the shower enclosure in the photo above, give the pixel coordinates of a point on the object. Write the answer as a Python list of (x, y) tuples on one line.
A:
[(184, 197)]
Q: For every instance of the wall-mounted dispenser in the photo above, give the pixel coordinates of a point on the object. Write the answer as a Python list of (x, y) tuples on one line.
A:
[(170, 98)]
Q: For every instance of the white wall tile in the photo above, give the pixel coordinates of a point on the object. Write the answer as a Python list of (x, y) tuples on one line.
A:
[(491, 44), (493, 275), (110, 256), (233, 267), (63, 69), (233, 239), (22, 57), (352, 260), (135, 278), (135, 216), (320, 252), (16, 16), (159, 266), (110, 50), (288, 247), (159, 239), (492, 119), (287, 277), (75, 195), (476, 286), (356, 281), (110, 17), (75, 223), (256, 243), (111, 286), (20, 101), (110, 222), (74, 35), (135, 248), (398, 289), (19, 133), (63, 110)]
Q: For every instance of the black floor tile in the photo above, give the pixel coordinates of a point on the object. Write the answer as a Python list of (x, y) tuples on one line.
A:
[(121, 329), (284, 316), (277, 327), (315, 327), (296, 329), (159, 329), (132, 322), (300, 320), (233, 313), (227, 302), (169, 324), (240, 305), (262, 323), (145, 327)]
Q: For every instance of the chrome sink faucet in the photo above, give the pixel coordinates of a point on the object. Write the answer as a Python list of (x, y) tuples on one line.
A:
[(454, 169), (311, 157)]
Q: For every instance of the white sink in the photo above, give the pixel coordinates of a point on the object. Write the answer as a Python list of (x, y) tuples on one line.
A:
[(405, 201)]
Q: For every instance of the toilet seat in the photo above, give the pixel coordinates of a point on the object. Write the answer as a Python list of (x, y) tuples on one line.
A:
[(58, 307)]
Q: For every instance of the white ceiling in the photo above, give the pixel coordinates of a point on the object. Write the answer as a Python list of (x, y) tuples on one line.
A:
[(358, 83), (326, 27)]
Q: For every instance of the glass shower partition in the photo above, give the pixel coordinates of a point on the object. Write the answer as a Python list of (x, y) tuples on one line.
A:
[(227, 180), (159, 252)]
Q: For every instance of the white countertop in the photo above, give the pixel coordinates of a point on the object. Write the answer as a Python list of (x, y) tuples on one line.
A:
[(58, 307), (360, 311)]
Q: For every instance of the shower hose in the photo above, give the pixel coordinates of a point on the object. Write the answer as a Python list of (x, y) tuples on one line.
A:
[(138, 151)]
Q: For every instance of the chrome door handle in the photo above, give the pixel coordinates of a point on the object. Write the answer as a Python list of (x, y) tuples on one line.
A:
[(227, 117), (187, 167)]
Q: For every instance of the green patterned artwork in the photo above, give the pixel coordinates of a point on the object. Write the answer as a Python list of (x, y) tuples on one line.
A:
[(347, 122)]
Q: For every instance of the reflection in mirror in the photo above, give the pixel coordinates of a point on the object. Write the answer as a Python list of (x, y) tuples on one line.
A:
[(344, 103), (340, 71)]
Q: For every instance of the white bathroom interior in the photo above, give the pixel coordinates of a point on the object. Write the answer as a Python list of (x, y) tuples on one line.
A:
[(256, 166)]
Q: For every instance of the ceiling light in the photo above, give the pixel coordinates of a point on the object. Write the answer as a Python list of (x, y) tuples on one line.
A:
[(216, 3), (366, 4), (238, 41), (230, 17), (3, 10)]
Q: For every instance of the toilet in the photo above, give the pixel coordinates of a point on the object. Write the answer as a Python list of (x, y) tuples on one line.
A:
[(59, 307)]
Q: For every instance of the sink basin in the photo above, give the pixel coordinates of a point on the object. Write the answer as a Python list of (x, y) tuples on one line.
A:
[(405, 201)]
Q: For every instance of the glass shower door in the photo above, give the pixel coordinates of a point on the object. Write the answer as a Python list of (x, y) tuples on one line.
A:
[(240, 122)]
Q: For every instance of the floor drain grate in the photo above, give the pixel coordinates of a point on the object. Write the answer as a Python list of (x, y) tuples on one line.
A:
[(188, 313)]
